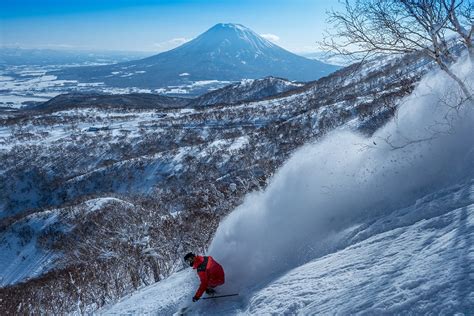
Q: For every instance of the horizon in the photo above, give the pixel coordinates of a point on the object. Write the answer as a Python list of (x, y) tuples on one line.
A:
[(156, 26)]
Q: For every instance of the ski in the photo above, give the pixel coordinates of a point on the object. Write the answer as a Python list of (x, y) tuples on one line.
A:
[(183, 311), (219, 296)]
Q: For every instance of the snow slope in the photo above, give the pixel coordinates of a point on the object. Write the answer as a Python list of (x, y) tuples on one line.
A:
[(422, 263), (347, 179), (24, 245), (22, 258), (162, 298), (423, 267), (380, 225)]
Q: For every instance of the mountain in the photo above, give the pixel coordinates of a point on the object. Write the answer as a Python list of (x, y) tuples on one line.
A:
[(225, 52), (349, 224), (408, 262), (145, 184), (246, 90), (128, 101)]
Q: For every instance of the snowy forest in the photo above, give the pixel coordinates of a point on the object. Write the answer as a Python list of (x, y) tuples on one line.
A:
[(350, 192)]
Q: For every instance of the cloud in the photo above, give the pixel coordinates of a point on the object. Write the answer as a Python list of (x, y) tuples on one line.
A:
[(271, 37), (172, 43)]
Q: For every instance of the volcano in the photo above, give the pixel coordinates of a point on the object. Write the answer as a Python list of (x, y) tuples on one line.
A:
[(225, 52)]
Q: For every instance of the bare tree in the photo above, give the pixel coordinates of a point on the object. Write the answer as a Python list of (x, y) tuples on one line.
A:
[(404, 26)]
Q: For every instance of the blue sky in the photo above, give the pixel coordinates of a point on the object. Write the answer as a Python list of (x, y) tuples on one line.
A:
[(155, 26)]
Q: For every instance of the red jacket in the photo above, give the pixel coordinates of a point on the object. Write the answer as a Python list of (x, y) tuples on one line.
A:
[(210, 272)]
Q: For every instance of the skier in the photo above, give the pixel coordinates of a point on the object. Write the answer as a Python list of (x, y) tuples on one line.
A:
[(210, 273)]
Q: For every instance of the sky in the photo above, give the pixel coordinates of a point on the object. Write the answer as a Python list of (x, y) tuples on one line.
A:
[(156, 26)]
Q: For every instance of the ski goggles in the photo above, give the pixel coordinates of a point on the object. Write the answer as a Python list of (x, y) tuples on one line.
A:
[(189, 261)]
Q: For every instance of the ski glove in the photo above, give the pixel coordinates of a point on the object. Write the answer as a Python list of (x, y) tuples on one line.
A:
[(195, 299)]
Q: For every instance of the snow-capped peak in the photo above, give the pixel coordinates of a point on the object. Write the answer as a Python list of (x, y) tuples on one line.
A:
[(231, 26), (225, 52), (235, 33)]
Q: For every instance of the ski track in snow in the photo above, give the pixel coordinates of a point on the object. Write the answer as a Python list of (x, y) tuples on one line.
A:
[(422, 263)]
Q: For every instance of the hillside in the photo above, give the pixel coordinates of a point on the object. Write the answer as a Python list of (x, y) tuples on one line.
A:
[(246, 90), (398, 242), (418, 264), (171, 172), (129, 144), (153, 162), (128, 101)]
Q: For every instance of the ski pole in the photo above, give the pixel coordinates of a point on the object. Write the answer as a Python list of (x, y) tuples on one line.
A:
[(219, 296)]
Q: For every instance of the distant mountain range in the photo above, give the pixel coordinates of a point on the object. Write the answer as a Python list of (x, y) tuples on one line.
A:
[(242, 91), (37, 56), (225, 52)]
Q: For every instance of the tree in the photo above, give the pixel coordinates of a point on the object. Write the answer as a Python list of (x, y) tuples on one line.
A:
[(432, 27)]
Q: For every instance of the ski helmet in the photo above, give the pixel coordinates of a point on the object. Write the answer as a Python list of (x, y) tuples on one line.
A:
[(189, 258)]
